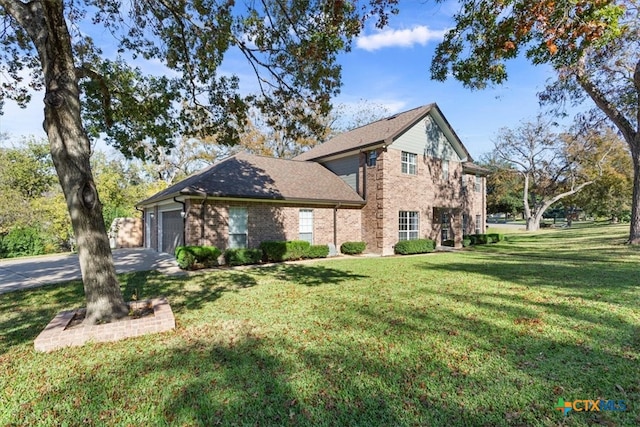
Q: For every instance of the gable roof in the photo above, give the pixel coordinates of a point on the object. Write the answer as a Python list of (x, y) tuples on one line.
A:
[(383, 131), (247, 176)]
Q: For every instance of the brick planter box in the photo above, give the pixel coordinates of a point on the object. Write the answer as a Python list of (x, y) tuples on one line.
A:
[(57, 334)]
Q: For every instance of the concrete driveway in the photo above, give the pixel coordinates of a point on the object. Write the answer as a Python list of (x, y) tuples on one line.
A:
[(25, 273)]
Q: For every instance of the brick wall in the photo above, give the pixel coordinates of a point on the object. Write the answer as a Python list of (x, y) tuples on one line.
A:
[(208, 223), (390, 191)]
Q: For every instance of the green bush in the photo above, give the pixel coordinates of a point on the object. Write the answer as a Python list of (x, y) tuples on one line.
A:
[(242, 256), (353, 248), (194, 257), (417, 246), (496, 237), (22, 241), (317, 251), (449, 242), (466, 241), (278, 251)]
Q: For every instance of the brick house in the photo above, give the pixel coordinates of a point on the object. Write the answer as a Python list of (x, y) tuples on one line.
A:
[(404, 177)]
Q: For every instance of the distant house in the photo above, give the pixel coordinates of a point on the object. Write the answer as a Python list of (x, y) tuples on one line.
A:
[(407, 176)]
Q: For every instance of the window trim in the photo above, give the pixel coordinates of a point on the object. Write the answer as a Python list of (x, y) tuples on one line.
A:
[(477, 185), (231, 242), (372, 158), (409, 163), (445, 169), (411, 218), (310, 225)]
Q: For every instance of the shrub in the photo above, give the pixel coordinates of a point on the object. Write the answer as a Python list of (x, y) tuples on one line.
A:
[(193, 257), (353, 248), (466, 241), (22, 241), (496, 237), (449, 242), (317, 251), (242, 256), (418, 246), (278, 251)]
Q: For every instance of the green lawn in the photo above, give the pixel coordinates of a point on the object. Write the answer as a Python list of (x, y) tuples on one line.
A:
[(490, 336)]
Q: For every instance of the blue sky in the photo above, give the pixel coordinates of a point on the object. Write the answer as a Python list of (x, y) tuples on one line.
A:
[(390, 67)]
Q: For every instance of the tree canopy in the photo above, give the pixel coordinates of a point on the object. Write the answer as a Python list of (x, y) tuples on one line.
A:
[(94, 86), (592, 45)]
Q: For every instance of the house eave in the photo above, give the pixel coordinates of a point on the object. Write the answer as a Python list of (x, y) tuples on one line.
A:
[(350, 152), (283, 201)]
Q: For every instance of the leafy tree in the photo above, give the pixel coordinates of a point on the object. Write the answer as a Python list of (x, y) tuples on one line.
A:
[(504, 186), (26, 173), (592, 45), (548, 163), (610, 194), (291, 47)]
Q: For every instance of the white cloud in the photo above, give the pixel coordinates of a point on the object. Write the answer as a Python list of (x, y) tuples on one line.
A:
[(404, 38)]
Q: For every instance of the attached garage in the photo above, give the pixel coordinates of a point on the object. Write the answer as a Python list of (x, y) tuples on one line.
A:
[(172, 230), (164, 227)]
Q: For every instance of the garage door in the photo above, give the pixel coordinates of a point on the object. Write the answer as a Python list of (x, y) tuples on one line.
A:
[(172, 228)]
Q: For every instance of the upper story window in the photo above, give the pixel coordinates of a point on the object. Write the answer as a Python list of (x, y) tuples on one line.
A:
[(372, 158), (478, 184), (463, 184), (409, 162), (445, 170)]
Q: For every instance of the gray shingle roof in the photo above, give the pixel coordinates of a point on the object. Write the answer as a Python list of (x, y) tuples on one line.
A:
[(248, 176), (383, 130)]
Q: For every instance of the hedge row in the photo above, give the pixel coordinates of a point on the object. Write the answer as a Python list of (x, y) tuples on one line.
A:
[(279, 250), (417, 246), (482, 239), (194, 257)]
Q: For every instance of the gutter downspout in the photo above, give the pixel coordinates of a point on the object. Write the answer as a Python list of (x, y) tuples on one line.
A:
[(335, 227), (183, 214), (203, 215)]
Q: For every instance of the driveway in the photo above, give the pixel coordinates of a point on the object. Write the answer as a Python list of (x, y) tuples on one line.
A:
[(25, 273)]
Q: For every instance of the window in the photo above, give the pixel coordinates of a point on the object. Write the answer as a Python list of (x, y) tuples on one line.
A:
[(306, 225), (465, 223), (238, 220), (372, 158), (478, 185), (409, 163), (463, 184), (445, 170), (445, 226), (478, 224), (408, 225)]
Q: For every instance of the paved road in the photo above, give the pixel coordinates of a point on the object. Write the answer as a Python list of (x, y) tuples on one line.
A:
[(25, 273)]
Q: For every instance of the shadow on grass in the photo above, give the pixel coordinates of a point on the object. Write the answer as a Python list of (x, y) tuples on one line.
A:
[(312, 275), (23, 314)]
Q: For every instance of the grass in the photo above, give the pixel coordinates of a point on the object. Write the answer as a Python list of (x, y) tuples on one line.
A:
[(490, 336)]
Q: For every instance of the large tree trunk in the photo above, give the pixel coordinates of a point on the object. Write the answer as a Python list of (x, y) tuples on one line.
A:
[(634, 231), (71, 150)]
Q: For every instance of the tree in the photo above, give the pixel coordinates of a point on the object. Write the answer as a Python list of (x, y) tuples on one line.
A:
[(26, 173), (592, 45), (610, 194), (548, 163), (291, 48), (504, 187)]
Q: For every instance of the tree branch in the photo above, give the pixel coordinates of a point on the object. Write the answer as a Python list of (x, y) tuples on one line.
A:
[(616, 116), (85, 71)]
